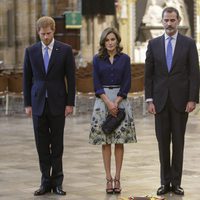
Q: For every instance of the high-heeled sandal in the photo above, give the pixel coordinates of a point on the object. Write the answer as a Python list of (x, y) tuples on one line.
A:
[(109, 189), (117, 189)]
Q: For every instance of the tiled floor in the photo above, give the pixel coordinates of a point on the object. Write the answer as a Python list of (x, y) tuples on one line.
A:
[(83, 167)]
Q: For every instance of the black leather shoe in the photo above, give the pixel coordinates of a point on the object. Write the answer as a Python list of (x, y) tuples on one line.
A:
[(41, 191), (58, 190), (163, 189), (177, 190)]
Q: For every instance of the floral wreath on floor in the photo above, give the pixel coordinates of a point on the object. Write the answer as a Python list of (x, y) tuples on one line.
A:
[(143, 198)]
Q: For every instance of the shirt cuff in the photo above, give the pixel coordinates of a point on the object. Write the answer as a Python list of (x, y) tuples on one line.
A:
[(149, 100), (99, 92), (124, 95)]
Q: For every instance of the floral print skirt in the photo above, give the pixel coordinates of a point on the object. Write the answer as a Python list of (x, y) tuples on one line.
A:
[(125, 133)]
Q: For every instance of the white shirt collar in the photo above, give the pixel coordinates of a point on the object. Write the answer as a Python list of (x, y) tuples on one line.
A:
[(173, 36), (50, 46)]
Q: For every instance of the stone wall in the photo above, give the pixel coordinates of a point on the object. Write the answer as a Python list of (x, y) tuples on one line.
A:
[(17, 22)]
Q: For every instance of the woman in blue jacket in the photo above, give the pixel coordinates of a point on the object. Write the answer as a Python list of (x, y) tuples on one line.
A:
[(112, 82)]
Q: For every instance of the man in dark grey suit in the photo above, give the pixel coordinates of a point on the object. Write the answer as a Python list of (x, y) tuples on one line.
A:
[(47, 65), (171, 91)]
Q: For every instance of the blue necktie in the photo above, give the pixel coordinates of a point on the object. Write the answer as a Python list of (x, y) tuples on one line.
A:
[(46, 58), (169, 54)]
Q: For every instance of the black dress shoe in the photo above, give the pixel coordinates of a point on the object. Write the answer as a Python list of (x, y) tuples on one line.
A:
[(58, 190), (177, 190), (163, 189), (42, 190)]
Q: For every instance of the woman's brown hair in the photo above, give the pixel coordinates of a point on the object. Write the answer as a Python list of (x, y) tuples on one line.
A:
[(102, 50)]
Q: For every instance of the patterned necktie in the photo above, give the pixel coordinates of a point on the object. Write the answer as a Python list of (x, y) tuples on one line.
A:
[(169, 54), (46, 58)]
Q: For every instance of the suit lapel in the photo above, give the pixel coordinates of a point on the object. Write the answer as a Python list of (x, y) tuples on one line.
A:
[(39, 55), (177, 50), (162, 44), (55, 51)]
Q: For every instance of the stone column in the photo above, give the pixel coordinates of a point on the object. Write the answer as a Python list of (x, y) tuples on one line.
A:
[(60, 7), (8, 33), (26, 14), (47, 7), (132, 27), (91, 30), (126, 17), (17, 21), (123, 24)]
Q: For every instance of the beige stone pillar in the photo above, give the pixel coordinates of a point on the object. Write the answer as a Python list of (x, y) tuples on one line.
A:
[(8, 49), (126, 18), (123, 19), (3, 32), (24, 28), (47, 7), (91, 30), (17, 21), (132, 27)]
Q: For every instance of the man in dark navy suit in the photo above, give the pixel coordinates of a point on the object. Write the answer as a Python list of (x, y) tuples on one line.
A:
[(48, 65), (171, 91)]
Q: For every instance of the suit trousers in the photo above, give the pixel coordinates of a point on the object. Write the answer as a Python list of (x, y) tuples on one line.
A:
[(48, 131), (170, 127)]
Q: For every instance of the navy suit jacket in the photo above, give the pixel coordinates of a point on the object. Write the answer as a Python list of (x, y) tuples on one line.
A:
[(36, 81), (181, 84)]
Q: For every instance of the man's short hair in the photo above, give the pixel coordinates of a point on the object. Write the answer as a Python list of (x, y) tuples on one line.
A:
[(44, 22), (170, 10)]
